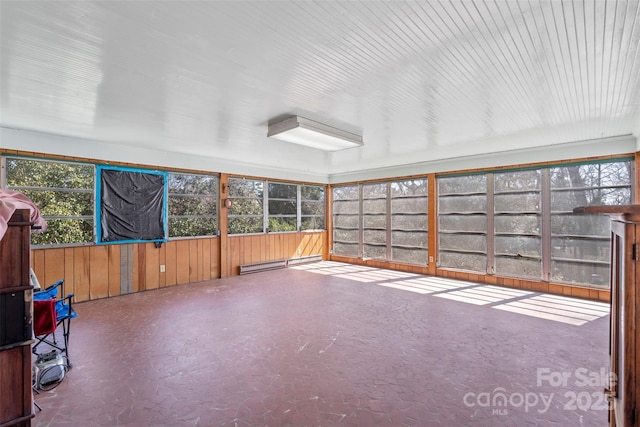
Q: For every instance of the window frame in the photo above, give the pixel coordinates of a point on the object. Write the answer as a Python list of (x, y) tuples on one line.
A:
[(284, 216), (393, 228), (235, 198), (321, 202), (369, 216), (546, 215), (21, 188), (604, 239), (382, 196), (473, 213), (215, 216), (358, 216), (519, 257), (264, 203)]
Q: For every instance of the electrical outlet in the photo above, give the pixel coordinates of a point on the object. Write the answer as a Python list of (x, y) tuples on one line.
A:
[(162, 268), (430, 259), (299, 251)]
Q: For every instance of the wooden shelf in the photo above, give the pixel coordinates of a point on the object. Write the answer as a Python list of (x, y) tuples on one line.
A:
[(625, 315), (16, 403), (622, 212), (604, 209)]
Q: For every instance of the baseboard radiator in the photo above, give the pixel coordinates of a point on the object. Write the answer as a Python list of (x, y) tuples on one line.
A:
[(280, 263)]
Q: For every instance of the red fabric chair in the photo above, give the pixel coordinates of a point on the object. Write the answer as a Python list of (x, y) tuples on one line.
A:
[(50, 310), (44, 317)]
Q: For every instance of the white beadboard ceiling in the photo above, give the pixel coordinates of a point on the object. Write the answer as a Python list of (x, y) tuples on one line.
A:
[(194, 83)]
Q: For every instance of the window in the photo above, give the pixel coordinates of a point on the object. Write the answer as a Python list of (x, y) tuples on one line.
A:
[(346, 221), (374, 221), (580, 243), (517, 224), (247, 212), (532, 232), (64, 193), (193, 209), (184, 204), (462, 222), (386, 221), (283, 207), (312, 207), (409, 221)]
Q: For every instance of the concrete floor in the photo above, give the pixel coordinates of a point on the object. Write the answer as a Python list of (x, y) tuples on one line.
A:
[(331, 344)]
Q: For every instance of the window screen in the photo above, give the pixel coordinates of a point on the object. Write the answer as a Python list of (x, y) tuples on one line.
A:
[(462, 222), (410, 221)]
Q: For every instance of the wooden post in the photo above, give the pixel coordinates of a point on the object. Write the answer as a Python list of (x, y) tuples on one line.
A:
[(223, 213), (328, 234), (432, 227)]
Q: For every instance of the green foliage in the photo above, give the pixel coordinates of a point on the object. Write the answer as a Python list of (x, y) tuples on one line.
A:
[(48, 174), (181, 227), (282, 191), (246, 214), (312, 192), (63, 193), (245, 225), (282, 224), (180, 183), (64, 231), (192, 205)]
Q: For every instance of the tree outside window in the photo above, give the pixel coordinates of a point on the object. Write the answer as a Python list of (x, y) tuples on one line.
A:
[(64, 194)]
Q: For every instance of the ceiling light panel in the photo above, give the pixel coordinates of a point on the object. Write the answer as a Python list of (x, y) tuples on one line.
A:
[(299, 130)]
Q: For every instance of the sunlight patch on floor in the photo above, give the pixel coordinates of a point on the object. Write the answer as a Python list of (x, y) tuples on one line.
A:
[(426, 285), (544, 306), (482, 295), (561, 309)]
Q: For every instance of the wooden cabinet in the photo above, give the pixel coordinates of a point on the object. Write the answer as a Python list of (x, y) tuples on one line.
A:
[(16, 308), (624, 344)]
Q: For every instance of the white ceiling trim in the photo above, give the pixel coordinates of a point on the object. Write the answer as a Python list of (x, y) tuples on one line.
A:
[(43, 144), (620, 145)]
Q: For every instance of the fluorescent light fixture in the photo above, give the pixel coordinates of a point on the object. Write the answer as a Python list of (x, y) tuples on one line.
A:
[(313, 134)]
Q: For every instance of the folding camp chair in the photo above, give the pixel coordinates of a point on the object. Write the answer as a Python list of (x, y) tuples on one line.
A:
[(51, 311)]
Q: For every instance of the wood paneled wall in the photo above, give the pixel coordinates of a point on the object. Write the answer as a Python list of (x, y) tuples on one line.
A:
[(101, 271), (272, 246)]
